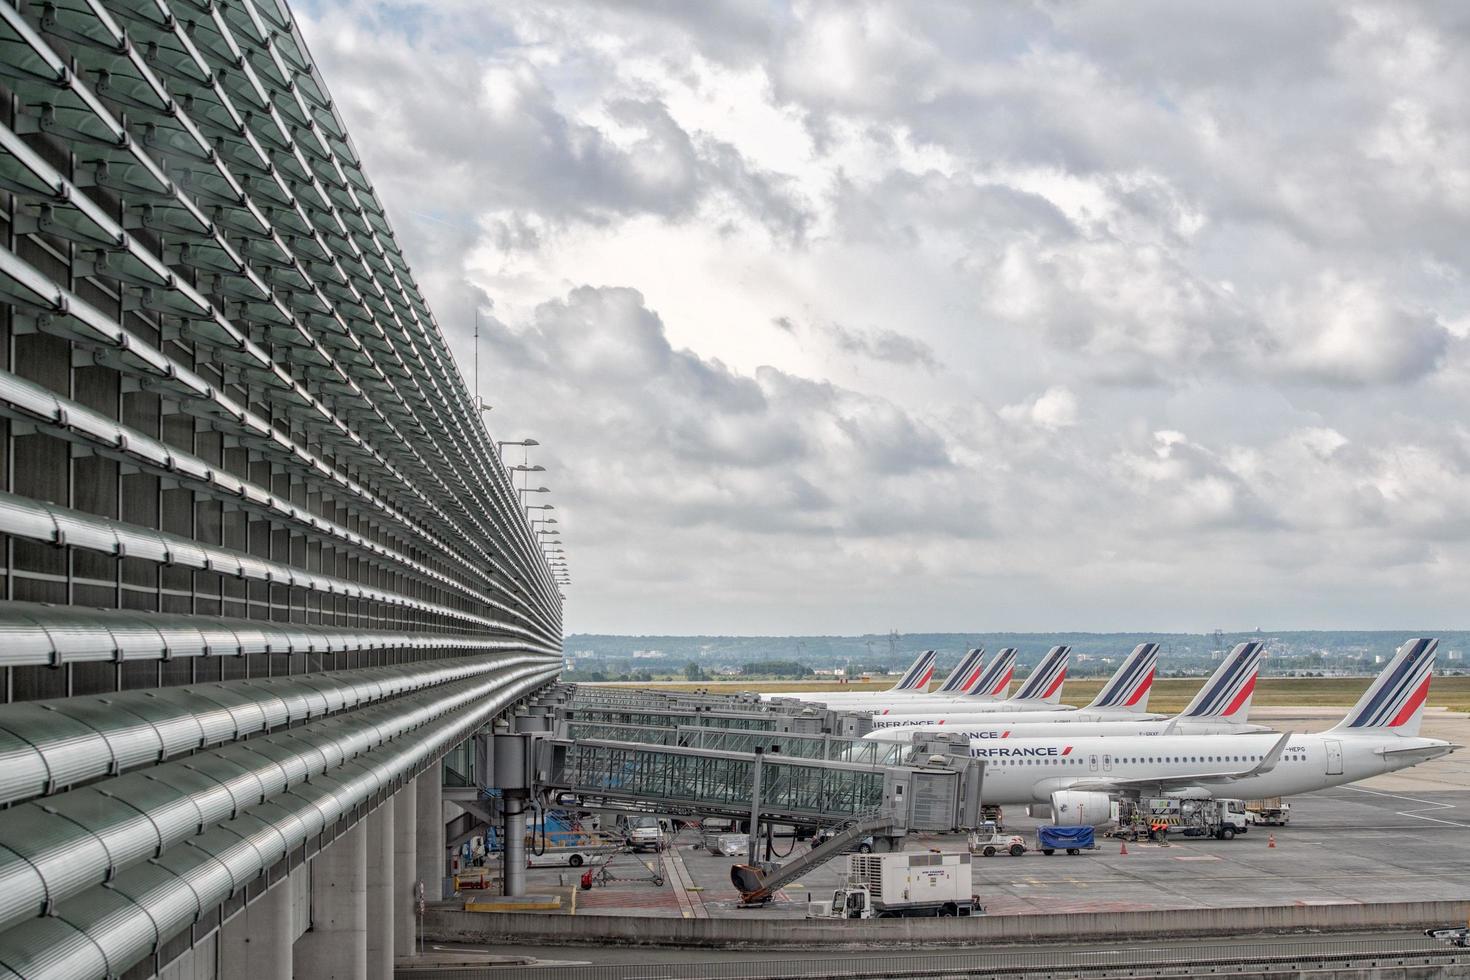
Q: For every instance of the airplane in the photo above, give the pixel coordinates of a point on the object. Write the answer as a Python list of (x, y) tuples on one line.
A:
[(1124, 695), (1220, 708), (989, 686), (958, 681), (914, 681), (1079, 777)]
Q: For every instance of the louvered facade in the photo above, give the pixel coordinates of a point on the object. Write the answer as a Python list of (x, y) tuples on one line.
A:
[(262, 564)]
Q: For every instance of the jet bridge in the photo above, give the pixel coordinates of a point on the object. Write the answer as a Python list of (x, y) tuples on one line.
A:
[(790, 744), (780, 788)]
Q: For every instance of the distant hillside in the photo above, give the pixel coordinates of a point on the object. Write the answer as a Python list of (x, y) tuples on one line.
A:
[(1288, 651)]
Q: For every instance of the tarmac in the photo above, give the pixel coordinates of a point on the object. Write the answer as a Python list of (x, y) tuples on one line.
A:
[(1398, 837)]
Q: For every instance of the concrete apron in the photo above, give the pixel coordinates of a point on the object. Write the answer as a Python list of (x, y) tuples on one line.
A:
[(451, 925)]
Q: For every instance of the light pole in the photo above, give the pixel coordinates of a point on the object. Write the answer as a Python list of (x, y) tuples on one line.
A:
[(534, 490), (523, 468), (500, 445)]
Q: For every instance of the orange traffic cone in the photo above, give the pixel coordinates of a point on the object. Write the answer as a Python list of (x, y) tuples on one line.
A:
[(1271, 840), (1124, 851)]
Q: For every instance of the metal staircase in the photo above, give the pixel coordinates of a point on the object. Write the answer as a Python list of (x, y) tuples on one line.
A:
[(758, 883)]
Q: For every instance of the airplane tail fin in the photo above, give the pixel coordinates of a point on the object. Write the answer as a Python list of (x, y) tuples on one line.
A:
[(1128, 688), (1395, 702), (1227, 695), (996, 677), (1045, 683), (966, 673), (917, 677)]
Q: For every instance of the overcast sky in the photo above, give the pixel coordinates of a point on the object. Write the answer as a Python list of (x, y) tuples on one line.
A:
[(848, 316)]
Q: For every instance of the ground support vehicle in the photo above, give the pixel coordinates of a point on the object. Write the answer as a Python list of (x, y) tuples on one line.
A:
[(645, 833), (905, 884), (987, 840), (1073, 840), (1455, 937), (1270, 812), (1165, 817), (572, 855)]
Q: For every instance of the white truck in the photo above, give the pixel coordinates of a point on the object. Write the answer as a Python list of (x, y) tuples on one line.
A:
[(1181, 817), (1270, 812), (909, 883)]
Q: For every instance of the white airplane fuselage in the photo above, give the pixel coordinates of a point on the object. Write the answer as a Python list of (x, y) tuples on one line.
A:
[(947, 718), (986, 730), (1030, 770)]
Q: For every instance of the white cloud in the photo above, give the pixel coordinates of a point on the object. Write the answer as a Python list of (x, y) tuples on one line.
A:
[(805, 300)]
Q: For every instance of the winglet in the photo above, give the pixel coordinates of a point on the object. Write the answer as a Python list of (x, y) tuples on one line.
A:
[(1269, 760)]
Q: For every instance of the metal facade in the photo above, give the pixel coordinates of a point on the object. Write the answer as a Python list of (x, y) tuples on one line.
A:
[(261, 561)]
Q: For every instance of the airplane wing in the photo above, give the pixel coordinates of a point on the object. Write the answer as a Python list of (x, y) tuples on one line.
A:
[(1105, 783)]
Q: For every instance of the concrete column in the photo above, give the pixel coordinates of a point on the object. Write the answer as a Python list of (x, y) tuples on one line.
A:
[(335, 948), (405, 871), (514, 852), (380, 923), (256, 944), (429, 788)]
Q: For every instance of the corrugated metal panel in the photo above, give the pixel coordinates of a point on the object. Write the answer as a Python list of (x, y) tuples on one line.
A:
[(166, 897), (131, 741), (296, 699), (178, 730), (171, 808), (19, 882), (213, 800), (23, 771), (51, 949), (261, 834), (64, 855), (215, 721), (241, 784), (128, 836), (121, 929), (238, 854), (206, 877), (72, 750)]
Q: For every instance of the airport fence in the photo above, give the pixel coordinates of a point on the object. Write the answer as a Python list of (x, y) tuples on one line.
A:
[(1182, 959)]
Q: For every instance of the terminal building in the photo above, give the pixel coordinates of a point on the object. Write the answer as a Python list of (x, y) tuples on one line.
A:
[(263, 569)]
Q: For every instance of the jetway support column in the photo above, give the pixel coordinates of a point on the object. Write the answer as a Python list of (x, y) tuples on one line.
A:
[(429, 788), (256, 944), (515, 844), (335, 948), (380, 871), (405, 870)]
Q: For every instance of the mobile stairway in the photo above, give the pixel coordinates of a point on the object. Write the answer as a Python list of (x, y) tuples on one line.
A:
[(758, 883)]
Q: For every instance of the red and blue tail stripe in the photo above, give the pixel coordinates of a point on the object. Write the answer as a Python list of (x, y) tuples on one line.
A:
[(1132, 680), (1047, 678), (964, 673), (1231, 686), (917, 677), (996, 677), (1399, 693)]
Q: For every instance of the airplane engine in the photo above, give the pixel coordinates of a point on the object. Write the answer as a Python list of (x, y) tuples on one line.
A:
[(1074, 808)]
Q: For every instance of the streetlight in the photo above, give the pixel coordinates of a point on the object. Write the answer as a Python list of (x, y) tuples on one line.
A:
[(533, 490), (522, 468), (502, 443), (546, 520)]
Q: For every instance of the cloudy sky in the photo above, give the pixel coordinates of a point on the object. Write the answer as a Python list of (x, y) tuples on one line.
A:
[(848, 316)]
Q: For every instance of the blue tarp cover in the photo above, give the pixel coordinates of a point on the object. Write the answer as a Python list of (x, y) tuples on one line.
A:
[(1064, 837)]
